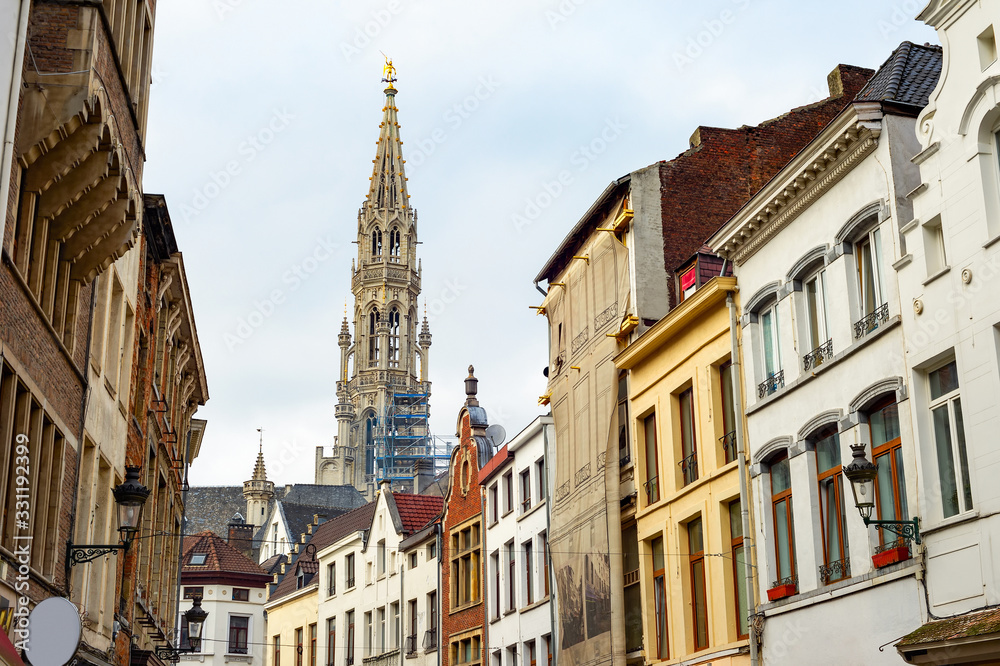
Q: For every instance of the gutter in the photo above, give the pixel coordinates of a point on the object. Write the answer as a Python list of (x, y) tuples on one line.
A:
[(13, 103), (748, 568)]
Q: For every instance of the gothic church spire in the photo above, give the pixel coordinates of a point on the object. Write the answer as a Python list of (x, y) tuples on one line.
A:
[(388, 186)]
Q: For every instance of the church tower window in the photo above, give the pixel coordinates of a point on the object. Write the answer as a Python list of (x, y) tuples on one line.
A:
[(376, 243), (394, 338), (394, 242), (372, 339)]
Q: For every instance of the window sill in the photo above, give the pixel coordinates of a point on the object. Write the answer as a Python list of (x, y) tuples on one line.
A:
[(531, 510), (465, 606), (507, 512), (903, 262), (952, 521), (533, 605), (935, 276), (991, 241)]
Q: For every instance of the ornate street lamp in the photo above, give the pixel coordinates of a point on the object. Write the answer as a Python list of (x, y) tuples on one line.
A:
[(195, 616), (129, 500), (861, 473)]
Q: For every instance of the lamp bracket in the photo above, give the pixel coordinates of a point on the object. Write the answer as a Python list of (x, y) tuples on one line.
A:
[(81, 554), (170, 654), (907, 529)]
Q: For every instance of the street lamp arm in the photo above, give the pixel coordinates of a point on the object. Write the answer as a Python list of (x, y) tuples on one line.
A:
[(81, 554), (907, 529)]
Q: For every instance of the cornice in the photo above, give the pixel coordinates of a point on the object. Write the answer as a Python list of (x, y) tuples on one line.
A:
[(833, 161)]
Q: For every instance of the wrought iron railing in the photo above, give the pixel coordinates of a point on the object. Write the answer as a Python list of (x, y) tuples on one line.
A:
[(892, 545), (431, 638), (411, 644), (349, 582), (729, 445), (624, 459), (870, 321), (771, 384), (790, 580), (834, 571), (237, 648), (689, 468), (816, 357), (652, 488)]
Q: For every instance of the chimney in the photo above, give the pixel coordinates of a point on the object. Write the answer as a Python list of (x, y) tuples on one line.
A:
[(423, 475), (241, 535)]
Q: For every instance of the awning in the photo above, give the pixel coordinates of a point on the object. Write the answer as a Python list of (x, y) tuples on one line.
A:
[(8, 653), (964, 639)]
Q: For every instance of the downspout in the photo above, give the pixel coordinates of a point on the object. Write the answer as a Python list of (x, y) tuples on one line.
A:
[(744, 491), (548, 551), (485, 587), (612, 485), (180, 550), (439, 601), (402, 598), (13, 102)]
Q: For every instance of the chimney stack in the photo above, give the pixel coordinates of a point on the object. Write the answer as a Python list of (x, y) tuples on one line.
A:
[(423, 475), (241, 535)]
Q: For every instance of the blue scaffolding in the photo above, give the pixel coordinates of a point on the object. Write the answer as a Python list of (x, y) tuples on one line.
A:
[(404, 437)]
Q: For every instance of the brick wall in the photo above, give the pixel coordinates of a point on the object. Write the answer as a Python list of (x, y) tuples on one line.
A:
[(459, 508)]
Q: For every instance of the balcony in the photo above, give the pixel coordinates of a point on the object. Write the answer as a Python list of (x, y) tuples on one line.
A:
[(815, 358), (652, 488), (729, 445), (834, 571), (771, 384), (871, 321), (689, 468), (431, 638), (349, 582), (382, 272), (411, 644)]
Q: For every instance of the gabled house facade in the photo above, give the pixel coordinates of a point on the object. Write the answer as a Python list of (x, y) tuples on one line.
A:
[(815, 252)]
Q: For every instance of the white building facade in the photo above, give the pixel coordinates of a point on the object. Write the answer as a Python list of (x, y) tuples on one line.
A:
[(517, 568), (951, 324), (421, 580), (814, 253)]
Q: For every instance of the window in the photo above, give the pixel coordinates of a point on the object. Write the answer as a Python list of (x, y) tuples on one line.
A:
[(987, 44), (331, 640), (623, 448), (934, 253), (380, 556), (277, 651), (349, 571), (770, 349), (699, 603), (729, 423), (525, 490), (868, 254), (394, 242), (496, 591), (300, 579), (413, 560), (465, 565), (466, 650), (312, 644), (369, 635), (394, 608), (432, 550), (331, 579), (660, 597), (494, 504), (543, 539), (689, 452), (185, 642), (652, 475), (298, 647), (542, 481), (241, 594), (738, 559), (381, 645), (192, 592), (836, 562), (529, 653), (376, 244), (508, 493), (430, 637), (548, 649), (350, 638), (689, 282), (511, 565), (784, 529), (372, 339), (393, 338), (816, 315), (411, 634), (197, 559), (949, 440), (529, 588), (887, 453)]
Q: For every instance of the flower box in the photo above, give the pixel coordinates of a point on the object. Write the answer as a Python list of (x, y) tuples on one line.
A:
[(891, 556), (782, 591)]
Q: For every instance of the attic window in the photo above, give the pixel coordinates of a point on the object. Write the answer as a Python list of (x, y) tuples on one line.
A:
[(689, 282), (987, 48), (300, 580), (197, 559)]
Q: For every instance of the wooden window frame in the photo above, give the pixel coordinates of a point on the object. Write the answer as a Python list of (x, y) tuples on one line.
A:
[(776, 499), (689, 449), (652, 484), (889, 450), (729, 421), (736, 544), (660, 619), (833, 474), (696, 559)]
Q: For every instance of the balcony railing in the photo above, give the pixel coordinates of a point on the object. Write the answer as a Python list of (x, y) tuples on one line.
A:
[(431, 638), (816, 357), (411, 644), (870, 321), (771, 384), (652, 488), (631, 577), (689, 468), (237, 648), (834, 571), (349, 582), (729, 445)]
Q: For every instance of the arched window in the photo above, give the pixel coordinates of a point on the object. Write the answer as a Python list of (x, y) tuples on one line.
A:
[(370, 434), (372, 339), (394, 242), (831, 505), (393, 338), (887, 453), (376, 243)]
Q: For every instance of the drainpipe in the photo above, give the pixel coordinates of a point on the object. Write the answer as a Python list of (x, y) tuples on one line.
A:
[(180, 550), (437, 611), (13, 102), (744, 491), (485, 586)]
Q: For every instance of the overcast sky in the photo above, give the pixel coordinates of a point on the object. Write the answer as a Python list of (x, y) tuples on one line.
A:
[(262, 128)]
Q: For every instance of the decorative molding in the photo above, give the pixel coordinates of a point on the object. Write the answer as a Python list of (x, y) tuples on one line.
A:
[(771, 221), (858, 220), (772, 447), (927, 152), (798, 269), (963, 126), (820, 420), (762, 295), (874, 391)]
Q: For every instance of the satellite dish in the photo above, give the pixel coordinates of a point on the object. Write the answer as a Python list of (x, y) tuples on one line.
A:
[(497, 434)]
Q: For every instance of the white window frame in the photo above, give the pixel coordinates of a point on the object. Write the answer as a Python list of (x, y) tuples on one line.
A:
[(821, 305), (770, 310), (962, 472)]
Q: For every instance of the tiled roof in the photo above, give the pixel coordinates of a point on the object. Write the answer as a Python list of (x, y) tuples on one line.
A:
[(326, 534), (416, 511), (335, 497), (907, 77), (273, 564), (977, 624), (219, 556)]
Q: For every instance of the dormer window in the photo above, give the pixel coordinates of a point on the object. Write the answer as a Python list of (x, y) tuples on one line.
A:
[(197, 559), (689, 282), (300, 580)]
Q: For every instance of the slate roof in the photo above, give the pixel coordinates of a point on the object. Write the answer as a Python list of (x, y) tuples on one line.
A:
[(337, 497), (220, 556), (416, 511), (272, 565), (327, 533), (975, 624), (908, 77)]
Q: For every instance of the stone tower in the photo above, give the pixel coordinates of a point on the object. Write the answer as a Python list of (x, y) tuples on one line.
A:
[(258, 492), (387, 354)]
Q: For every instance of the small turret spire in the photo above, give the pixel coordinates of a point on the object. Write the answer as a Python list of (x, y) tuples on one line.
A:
[(259, 473)]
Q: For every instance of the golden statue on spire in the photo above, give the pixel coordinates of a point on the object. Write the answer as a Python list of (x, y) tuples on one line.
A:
[(388, 71)]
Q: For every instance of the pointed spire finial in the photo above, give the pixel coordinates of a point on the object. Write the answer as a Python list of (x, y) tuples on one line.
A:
[(259, 473), (388, 71)]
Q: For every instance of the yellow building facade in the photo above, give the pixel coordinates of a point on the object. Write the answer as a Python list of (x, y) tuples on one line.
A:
[(292, 632), (683, 418)]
